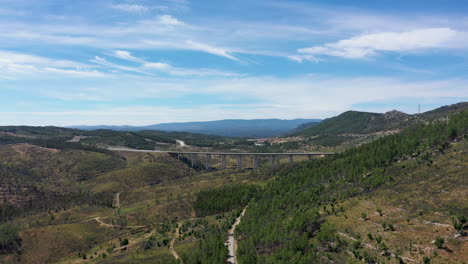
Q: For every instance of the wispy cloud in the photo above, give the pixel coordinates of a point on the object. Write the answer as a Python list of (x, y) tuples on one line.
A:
[(371, 44), (169, 20), (149, 67), (130, 8), (15, 65), (210, 49), (135, 8), (122, 54), (103, 62)]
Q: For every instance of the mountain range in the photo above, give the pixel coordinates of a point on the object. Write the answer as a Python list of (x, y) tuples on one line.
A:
[(227, 127)]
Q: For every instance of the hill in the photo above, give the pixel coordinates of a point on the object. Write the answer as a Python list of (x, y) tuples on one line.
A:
[(355, 122), (443, 111), (382, 202), (146, 139), (227, 128)]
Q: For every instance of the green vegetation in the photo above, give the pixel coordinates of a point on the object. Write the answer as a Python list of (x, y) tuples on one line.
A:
[(381, 202), (9, 240), (210, 249), (348, 122), (224, 199), (439, 242), (285, 216)]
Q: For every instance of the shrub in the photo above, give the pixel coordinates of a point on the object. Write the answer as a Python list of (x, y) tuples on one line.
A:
[(364, 215), (124, 242), (439, 242), (458, 223), (379, 210), (426, 260), (9, 239), (357, 244)]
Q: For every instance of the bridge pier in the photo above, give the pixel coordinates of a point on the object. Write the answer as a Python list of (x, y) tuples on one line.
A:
[(290, 159), (309, 157), (223, 161), (239, 162), (255, 162), (273, 161), (193, 157), (208, 162)]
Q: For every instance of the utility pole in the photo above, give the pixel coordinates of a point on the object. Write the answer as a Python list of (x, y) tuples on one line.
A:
[(419, 108)]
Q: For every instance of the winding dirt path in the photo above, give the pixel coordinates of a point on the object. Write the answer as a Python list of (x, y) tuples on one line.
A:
[(171, 245), (231, 242), (117, 200), (98, 219)]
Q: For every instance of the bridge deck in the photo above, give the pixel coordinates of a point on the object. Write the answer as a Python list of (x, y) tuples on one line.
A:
[(221, 153)]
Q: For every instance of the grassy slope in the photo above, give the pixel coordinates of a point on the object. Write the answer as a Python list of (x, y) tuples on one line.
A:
[(420, 206), (289, 220), (154, 189)]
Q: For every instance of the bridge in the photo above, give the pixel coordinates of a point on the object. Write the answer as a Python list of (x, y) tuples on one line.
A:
[(194, 157)]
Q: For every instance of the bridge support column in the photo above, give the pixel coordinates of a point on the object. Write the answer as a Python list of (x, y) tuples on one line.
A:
[(208, 162), (290, 159), (223, 161), (255, 162), (273, 162), (194, 160), (309, 157), (178, 156), (239, 162)]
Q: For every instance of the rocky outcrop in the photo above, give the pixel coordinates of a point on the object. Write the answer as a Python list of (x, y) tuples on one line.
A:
[(394, 114)]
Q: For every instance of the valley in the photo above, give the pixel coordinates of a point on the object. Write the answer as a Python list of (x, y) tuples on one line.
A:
[(72, 196)]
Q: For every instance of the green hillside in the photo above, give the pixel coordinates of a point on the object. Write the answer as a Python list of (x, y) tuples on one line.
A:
[(310, 214), (355, 122), (398, 199), (443, 111), (348, 122), (58, 137)]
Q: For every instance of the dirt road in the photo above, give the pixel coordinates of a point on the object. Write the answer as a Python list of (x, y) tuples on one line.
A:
[(171, 245), (231, 242)]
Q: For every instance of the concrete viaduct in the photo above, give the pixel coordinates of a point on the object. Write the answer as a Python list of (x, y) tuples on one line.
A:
[(273, 157)]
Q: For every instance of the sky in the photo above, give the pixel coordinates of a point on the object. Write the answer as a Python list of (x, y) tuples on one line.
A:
[(142, 62)]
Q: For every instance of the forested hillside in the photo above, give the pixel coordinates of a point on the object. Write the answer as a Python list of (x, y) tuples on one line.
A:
[(398, 199), (148, 139), (355, 122), (289, 221)]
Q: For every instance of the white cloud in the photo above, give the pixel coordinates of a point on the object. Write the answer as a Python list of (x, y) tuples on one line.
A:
[(122, 54), (130, 8), (169, 20), (147, 66), (209, 49), (8, 57), (371, 44), (104, 62), (77, 73), (167, 68), (14, 65)]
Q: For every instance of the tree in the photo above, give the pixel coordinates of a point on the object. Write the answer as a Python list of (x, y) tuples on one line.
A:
[(124, 242), (439, 242)]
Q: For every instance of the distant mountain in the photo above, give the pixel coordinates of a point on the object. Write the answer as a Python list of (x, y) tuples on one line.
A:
[(355, 122), (228, 127)]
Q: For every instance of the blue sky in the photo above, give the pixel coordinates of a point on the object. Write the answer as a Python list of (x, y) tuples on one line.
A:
[(146, 62)]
